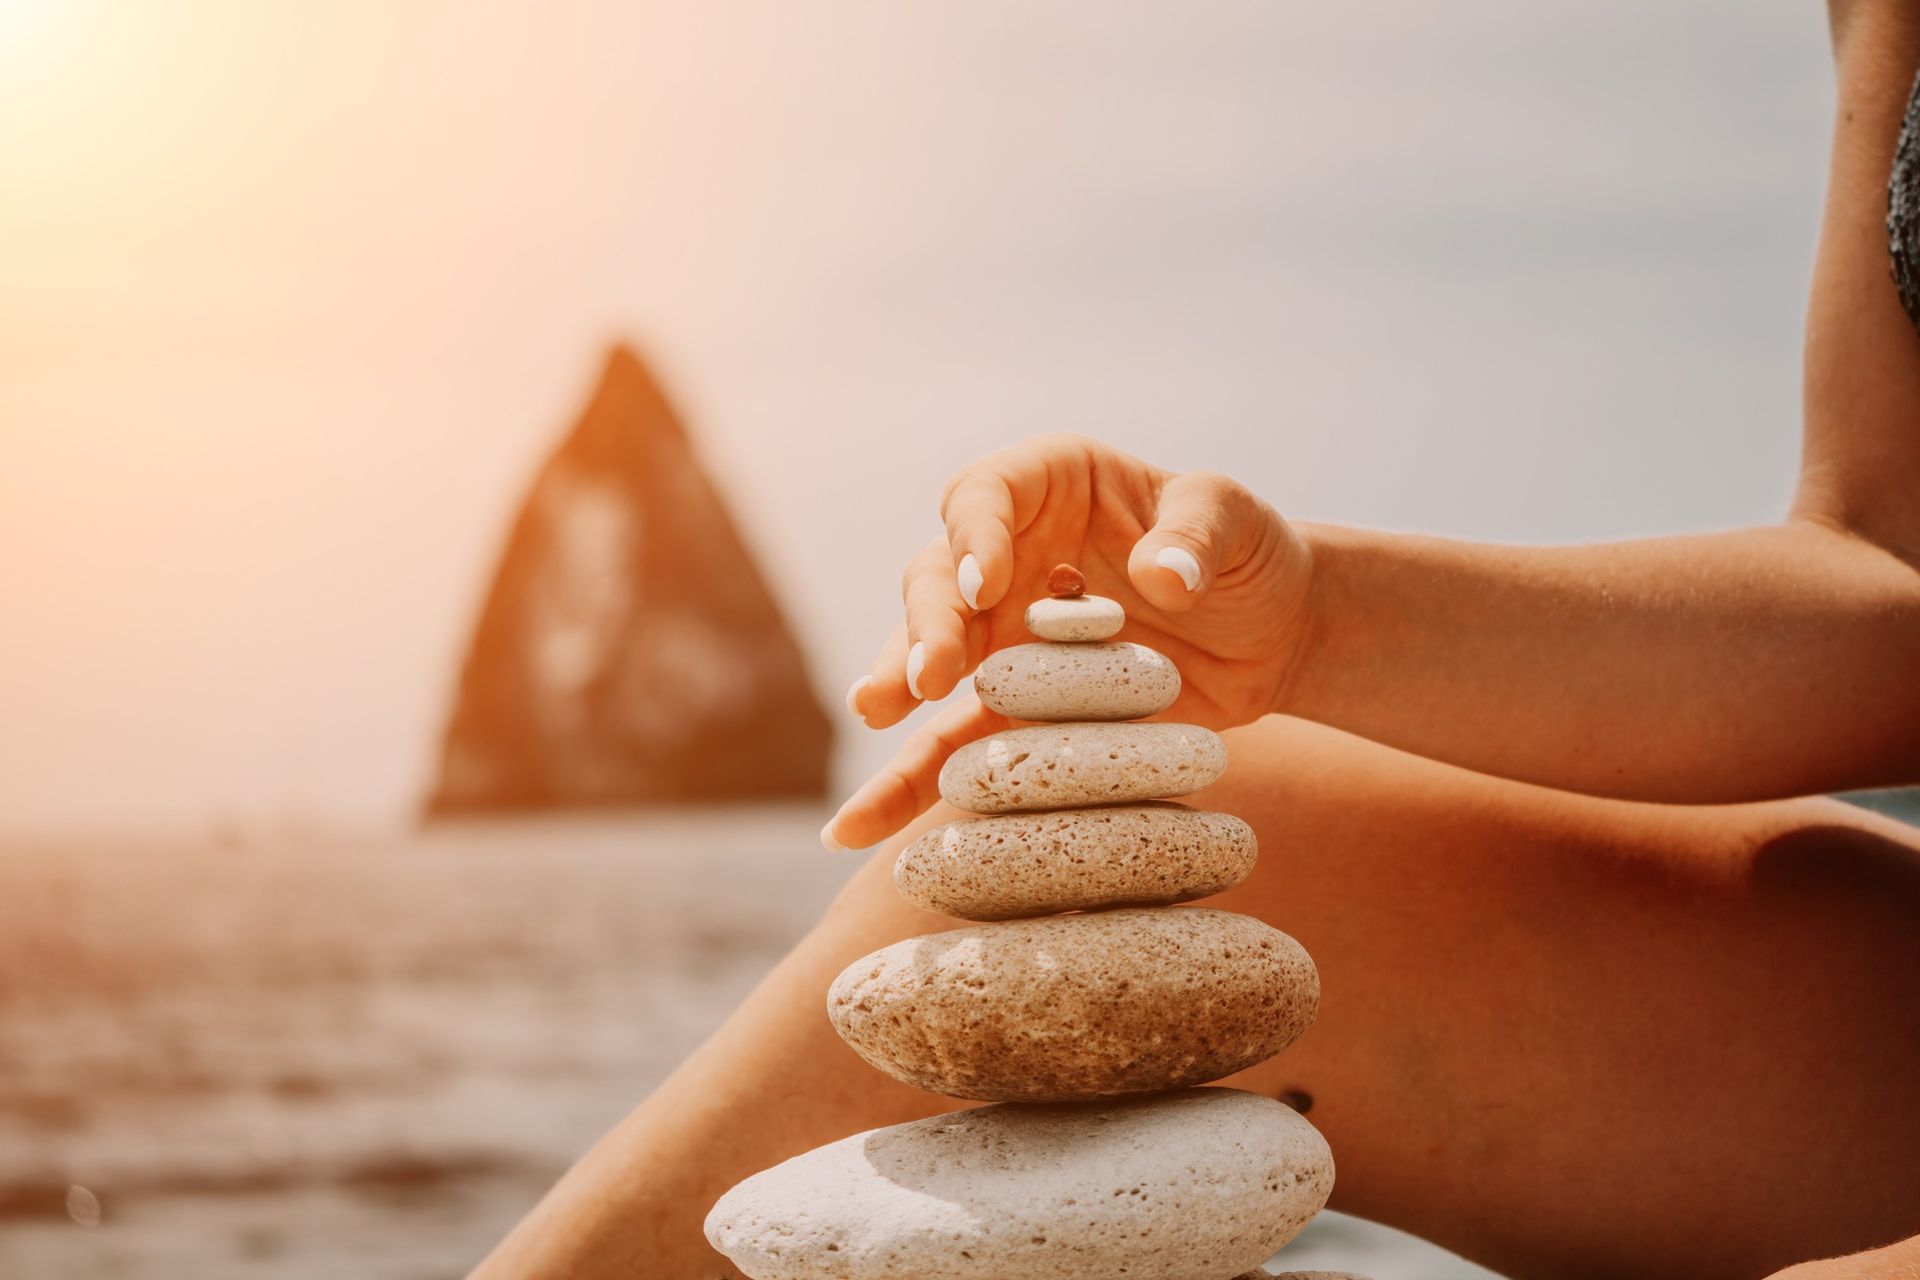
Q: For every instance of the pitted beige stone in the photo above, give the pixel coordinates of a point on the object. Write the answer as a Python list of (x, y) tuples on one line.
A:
[(1036, 864), (1060, 766), (1078, 1006), (1080, 618), (1111, 681), (1208, 1182)]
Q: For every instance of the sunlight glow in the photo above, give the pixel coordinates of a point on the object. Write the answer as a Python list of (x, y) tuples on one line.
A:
[(32, 36)]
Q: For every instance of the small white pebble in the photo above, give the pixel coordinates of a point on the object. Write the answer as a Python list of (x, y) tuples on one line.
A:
[(1081, 618)]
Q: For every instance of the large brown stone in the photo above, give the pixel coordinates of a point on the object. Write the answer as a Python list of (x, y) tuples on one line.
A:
[(1078, 1006)]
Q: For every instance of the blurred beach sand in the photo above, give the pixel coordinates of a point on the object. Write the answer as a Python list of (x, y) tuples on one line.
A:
[(313, 1056)]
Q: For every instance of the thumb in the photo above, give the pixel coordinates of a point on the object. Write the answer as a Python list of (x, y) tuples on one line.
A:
[(1204, 527)]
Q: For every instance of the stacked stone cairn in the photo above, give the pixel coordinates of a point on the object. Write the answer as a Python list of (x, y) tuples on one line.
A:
[(1085, 1012)]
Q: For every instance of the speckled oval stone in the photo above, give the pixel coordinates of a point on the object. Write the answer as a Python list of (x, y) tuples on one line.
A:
[(1036, 864), (1208, 1182), (1078, 1006), (1059, 766), (1081, 618), (1107, 681)]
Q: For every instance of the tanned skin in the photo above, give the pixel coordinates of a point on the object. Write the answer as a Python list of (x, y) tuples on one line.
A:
[(1598, 1003)]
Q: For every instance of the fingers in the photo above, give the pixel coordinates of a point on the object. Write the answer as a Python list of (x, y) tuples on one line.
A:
[(924, 659), (910, 783), (881, 697), (1206, 525), (980, 515), (989, 503), (936, 624)]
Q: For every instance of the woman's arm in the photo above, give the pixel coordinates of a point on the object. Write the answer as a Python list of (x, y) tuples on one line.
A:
[(1725, 667), (1861, 460), (1734, 666)]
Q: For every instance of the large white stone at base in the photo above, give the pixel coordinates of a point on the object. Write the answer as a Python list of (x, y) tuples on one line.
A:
[(1204, 1182)]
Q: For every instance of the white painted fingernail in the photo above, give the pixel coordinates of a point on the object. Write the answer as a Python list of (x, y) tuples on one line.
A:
[(916, 663), (1181, 561), (970, 578), (828, 842), (853, 692)]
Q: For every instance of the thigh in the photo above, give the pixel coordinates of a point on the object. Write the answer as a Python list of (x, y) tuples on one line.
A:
[(1567, 1037), (1576, 1037)]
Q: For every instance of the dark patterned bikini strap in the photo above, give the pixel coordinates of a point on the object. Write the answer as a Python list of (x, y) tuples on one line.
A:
[(1903, 209)]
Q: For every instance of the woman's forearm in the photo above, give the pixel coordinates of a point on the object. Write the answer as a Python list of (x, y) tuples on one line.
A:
[(1861, 464), (1727, 667), (1722, 667)]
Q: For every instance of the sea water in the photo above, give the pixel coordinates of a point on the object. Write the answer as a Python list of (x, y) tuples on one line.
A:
[(310, 1056)]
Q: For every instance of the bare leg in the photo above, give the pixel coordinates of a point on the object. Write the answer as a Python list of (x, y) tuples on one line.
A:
[(1566, 1037)]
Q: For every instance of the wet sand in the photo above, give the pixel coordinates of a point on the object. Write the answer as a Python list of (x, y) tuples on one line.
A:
[(313, 1056)]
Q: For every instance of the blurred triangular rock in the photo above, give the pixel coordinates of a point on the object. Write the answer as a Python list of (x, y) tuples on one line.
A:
[(629, 651)]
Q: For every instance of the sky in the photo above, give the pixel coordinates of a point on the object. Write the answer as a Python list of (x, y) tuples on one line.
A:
[(293, 299)]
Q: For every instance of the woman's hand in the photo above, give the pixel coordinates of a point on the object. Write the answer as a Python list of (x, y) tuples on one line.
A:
[(1208, 574)]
